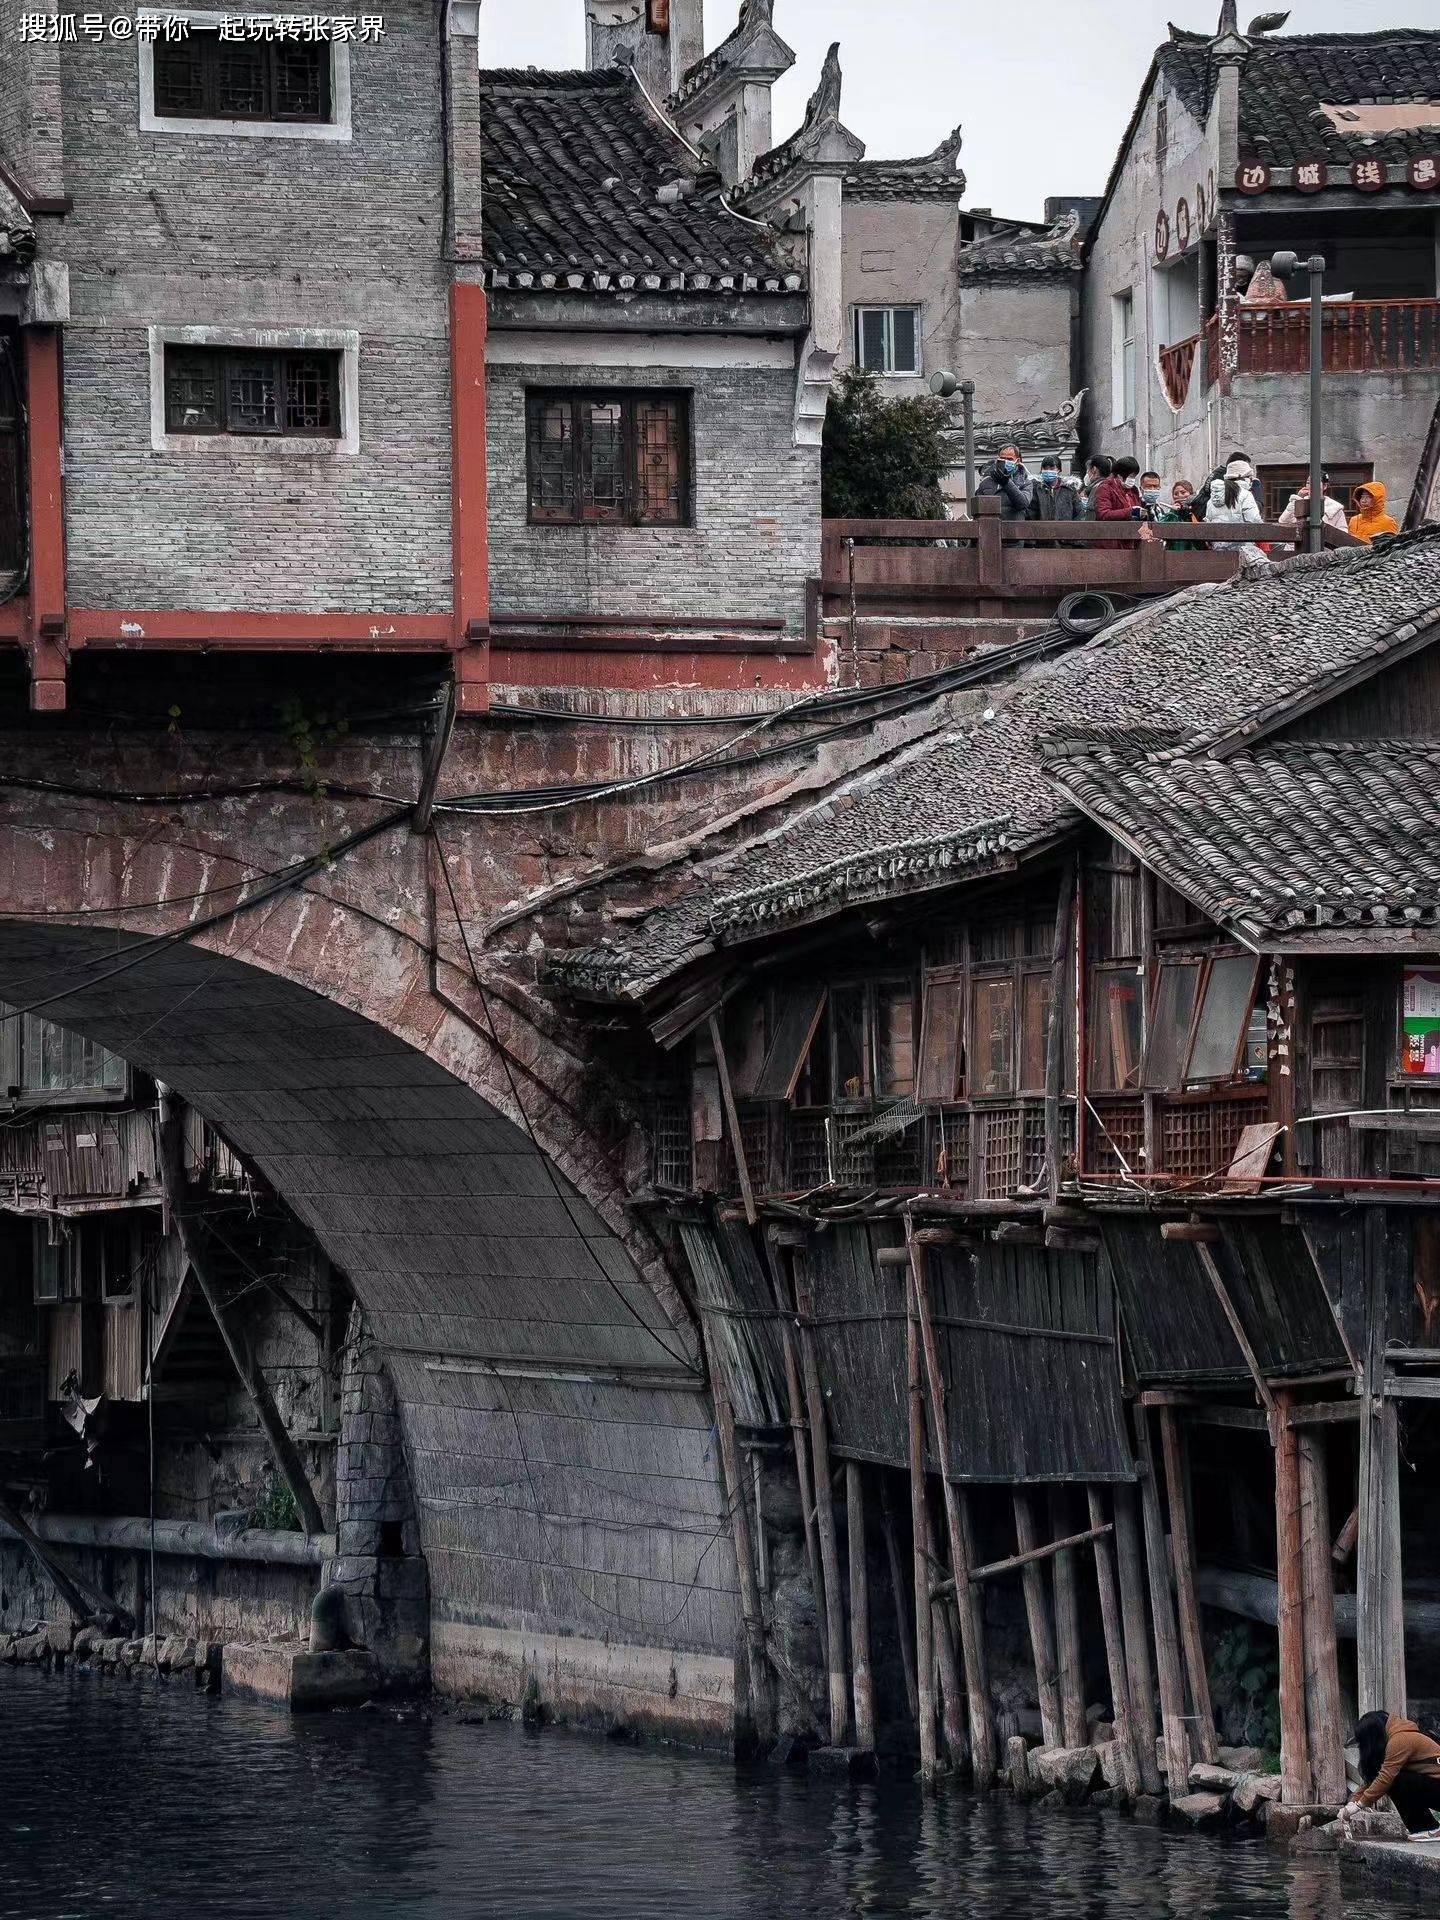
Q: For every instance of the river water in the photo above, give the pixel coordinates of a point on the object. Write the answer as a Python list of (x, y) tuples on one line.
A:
[(138, 1798)]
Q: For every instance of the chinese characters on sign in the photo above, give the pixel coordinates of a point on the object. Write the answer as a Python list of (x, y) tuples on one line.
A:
[(1368, 175), (1252, 177), (1425, 171), (1422, 1020), (72, 28), (1309, 176)]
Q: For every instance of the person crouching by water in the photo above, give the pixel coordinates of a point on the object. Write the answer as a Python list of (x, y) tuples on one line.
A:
[(1398, 1759)]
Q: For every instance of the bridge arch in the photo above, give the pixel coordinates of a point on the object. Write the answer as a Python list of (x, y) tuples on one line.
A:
[(560, 1441)]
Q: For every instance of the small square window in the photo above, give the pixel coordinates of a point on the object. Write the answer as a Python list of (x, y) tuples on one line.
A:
[(887, 339), (199, 76), (620, 459), (237, 390)]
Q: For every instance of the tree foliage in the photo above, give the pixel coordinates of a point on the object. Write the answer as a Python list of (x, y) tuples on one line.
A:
[(882, 459)]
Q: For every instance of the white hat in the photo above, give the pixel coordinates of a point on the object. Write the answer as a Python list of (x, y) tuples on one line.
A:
[(1239, 470)]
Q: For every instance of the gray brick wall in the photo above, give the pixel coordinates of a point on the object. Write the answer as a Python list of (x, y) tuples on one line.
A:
[(217, 230), (756, 500)]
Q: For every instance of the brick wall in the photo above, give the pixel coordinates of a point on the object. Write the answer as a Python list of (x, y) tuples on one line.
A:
[(755, 496), (231, 231)]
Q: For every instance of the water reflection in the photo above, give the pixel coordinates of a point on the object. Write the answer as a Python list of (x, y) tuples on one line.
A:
[(125, 1800)]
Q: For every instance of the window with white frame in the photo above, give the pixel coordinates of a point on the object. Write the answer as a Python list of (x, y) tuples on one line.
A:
[(1122, 357), (294, 391), (198, 75), (887, 339)]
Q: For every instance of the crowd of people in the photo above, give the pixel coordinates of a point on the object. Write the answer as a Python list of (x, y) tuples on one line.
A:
[(1120, 489)]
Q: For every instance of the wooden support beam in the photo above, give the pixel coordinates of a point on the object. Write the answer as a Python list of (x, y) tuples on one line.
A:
[(1130, 1569), (1037, 1613), (85, 1600), (439, 746), (859, 1608), (1322, 1673), (762, 1696), (1018, 1233), (185, 1216), (824, 1515), (903, 1620), (1380, 1638), (1242, 1340), (1110, 1623), (732, 1121), (1055, 1039), (799, 1436), (1013, 1562), (1290, 1622), (1167, 1638), (924, 1640), (969, 1609), (1068, 1240), (1196, 1233), (893, 1257), (1182, 1548), (1069, 1655), (1412, 1386), (947, 1662), (934, 1236), (1345, 1540)]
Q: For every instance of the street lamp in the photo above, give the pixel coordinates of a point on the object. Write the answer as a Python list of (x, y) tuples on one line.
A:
[(947, 386), (1283, 265)]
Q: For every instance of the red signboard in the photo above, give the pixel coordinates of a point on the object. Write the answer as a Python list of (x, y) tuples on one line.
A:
[(1424, 172), (1309, 176), (1252, 176)]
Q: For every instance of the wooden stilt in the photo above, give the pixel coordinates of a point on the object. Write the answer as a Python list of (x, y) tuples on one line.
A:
[(799, 1434), (903, 1616), (859, 1608), (1379, 1595), (1037, 1612), (1322, 1672), (970, 1609), (1130, 1570), (919, 1521), (1182, 1550), (824, 1518), (1069, 1661), (1167, 1639), (762, 1690), (947, 1659), (1290, 1617), (1114, 1649)]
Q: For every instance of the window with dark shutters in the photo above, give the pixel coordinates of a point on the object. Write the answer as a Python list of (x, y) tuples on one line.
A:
[(608, 458), (202, 77), (243, 391)]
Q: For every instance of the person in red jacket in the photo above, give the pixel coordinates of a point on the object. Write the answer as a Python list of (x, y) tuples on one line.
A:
[(1115, 498)]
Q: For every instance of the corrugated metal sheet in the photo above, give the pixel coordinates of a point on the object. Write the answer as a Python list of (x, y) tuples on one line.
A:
[(733, 1290)]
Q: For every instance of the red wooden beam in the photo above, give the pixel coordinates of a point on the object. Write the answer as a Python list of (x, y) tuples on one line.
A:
[(468, 506), (177, 628), (46, 638)]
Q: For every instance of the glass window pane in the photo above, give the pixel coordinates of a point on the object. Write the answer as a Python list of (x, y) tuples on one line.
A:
[(1170, 1016), (310, 394), (242, 73), (852, 1051), (659, 471), (1114, 1030), (192, 391), (302, 80), (253, 392), (895, 1042), (1224, 1015), (180, 72), (873, 355), (552, 459), (1035, 1032), (992, 1045), (942, 1038), (603, 475), (904, 331)]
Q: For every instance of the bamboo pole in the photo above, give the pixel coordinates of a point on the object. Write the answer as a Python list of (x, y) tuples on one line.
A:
[(970, 1606), (1182, 1549), (1069, 1659), (1115, 1664), (897, 1588), (859, 1609), (1130, 1569), (799, 1435), (924, 1643), (1167, 1640), (1037, 1612), (1290, 1614), (947, 1662), (1047, 1550), (1322, 1672), (757, 1652), (824, 1517)]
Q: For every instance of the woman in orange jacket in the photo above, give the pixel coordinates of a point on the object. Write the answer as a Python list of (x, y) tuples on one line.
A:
[(1398, 1759), (1370, 517)]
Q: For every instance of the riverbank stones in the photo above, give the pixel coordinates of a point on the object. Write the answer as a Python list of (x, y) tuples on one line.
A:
[(1072, 1771), (1202, 1810)]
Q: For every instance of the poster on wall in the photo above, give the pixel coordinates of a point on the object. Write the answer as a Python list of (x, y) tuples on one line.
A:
[(1421, 1051)]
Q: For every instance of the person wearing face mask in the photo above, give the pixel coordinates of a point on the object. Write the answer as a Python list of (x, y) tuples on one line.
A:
[(1181, 507), (1116, 497), (1150, 496), (1006, 478), (1231, 499), (1053, 500)]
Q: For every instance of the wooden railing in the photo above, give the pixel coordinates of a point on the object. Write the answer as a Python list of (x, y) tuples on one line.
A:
[(1358, 336), (1177, 364)]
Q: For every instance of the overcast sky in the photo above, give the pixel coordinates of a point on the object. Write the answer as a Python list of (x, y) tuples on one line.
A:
[(1042, 88)]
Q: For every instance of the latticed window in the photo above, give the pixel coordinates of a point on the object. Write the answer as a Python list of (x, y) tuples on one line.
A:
[(239, 390), (203, 77), (616, 458)]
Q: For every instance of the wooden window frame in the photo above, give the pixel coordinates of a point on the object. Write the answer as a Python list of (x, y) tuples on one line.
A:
[(1189, 1081), (1098, 975), (578, 400), (221, 357), (67, 1280), (16, 1033), (954, 984), (207, 40), (985, 975), (889, 308)]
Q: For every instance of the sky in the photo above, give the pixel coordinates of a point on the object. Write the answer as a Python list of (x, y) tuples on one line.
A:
[(1042, 88)]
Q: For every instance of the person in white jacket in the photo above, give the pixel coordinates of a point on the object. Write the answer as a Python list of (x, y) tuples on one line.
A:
[(1297, 508), (1233, 499)]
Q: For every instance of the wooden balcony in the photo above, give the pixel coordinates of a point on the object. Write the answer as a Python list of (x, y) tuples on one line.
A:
[(1358, 336)]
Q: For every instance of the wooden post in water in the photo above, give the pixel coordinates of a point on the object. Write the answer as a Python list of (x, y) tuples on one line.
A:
[(1037, 1612), (1290, 1611), (1322, 1672), (903, 1621), (919, 1522), (1182, 1548), (969, 1602), (824, 1516), (947, 1663), (1130, 1567), (1379, 1595), (762, 1691), (798, 1436), (859, 1608), (1069, 1658), (1114, 1651), (1167, 1639)]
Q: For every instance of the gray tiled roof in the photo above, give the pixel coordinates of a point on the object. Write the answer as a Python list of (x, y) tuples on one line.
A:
[(1013, 248), (573, 164), (1285, 78), (976, 793), (1291, 836), (928, 176)]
